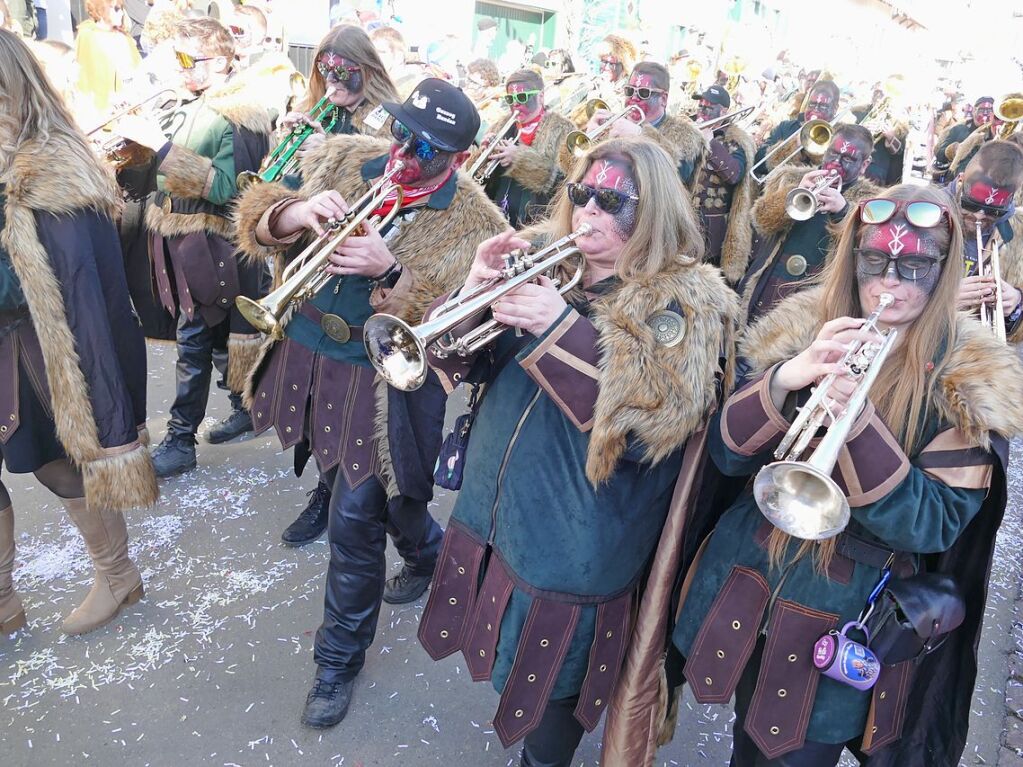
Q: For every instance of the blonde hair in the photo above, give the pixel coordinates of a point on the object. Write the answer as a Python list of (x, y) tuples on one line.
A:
[(904, 391), (354, 44), (32, 113), (666, 225)]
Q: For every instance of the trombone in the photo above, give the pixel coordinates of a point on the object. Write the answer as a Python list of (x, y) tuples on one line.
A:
[(814, 137), (579, 143), (800, 497), (803, 204), (483, 167), (283, 160), (724, 121), (398, 350), (991, 317), (306, 275), (1010, 111)]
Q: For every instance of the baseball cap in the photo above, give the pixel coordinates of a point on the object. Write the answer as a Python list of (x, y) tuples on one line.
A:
[(440, 113), (715, 94), (982, 99)]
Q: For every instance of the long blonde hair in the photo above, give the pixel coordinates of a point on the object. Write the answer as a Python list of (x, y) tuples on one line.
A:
[(32, 113), (666, 223), (352, 43), (905, 388)]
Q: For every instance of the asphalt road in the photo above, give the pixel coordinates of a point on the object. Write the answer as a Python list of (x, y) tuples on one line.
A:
[(213, 666)]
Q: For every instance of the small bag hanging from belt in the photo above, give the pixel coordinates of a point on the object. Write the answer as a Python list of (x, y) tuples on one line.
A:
[(451, 460)]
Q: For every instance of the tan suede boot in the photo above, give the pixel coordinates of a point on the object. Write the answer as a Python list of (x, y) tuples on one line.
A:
[(12, 613), (118, 582)]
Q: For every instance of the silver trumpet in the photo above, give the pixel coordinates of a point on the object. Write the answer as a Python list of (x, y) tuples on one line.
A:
[(800, 497), (398, 350), (802, 204), (991, 317), (483, 167)]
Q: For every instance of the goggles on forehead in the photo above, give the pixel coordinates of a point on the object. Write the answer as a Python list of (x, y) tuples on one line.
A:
[(519, 98), (919, 213), (910, 268), (423, 149), (608, 200), (644, 93), (188, 61)]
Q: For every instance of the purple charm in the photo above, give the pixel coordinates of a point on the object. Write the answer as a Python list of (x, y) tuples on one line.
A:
[(846, 660)]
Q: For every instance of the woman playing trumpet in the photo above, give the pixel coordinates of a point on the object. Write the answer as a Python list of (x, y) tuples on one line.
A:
[(922, 470), (590, 403)]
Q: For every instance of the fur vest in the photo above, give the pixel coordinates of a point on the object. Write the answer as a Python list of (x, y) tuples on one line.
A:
[(682, 140), (116, 476), (738, 243), (541, 166)]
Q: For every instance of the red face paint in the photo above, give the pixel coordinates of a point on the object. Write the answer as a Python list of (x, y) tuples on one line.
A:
[(983, 112), (986, 194), (819, 107), (845, 158), (708, 110), (528, 111), (615, 174)]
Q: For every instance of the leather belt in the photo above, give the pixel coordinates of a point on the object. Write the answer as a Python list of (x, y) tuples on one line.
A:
[(872, 554), (330, 323)]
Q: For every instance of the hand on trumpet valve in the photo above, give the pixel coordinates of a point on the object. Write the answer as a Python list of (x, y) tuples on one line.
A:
[(532, 306), (625, 127), (506, 152), (600, 117), (142, 130), (312, 213), (830, 199), (489, 261), (292, 120), (365, 255), (1011, 297)]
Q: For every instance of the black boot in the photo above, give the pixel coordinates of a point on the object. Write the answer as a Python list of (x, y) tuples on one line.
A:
[(236, 424), (312, 521), (327, 703), (175, 455), (405, 587)]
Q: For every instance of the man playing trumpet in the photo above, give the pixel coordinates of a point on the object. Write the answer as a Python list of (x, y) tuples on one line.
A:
[(375, 446)]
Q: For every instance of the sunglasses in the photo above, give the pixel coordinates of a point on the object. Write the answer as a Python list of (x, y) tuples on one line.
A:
[(424, 150), (188, 61), (238, 32), (919, 213), (336, 73), (909, 268), (643, 93), (608, 200), (519, 98), (972, 206)]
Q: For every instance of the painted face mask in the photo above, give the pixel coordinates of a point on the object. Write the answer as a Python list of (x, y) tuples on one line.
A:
[(523, 101), (708, 110), (340, 72), (614, 176), (984, 112), (820, 106), (846, 158), (423, 161), (898, 249), (641, 92)]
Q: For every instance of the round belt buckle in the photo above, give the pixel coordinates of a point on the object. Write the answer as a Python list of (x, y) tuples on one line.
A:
[(336, 328), (669, 328), (796, 266)]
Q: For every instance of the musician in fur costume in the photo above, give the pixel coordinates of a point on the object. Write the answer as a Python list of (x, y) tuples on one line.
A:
[(923, 470), (616, 56), (820, 104), (215, 136), (72, 355), (946, 146), (532, 156), (376, 445), (575, 448), (787, 253)]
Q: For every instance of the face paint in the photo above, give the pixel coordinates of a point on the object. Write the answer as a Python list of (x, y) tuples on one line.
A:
[(900, 240), (988, 194), (844, 157), (708, 111), (340, 72), (820, 106), (417, 171), (651, 106), (610, 68), (528, 111), (983, 112), (615, 174)]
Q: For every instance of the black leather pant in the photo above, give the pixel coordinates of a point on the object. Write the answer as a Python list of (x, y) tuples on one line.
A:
[(200, 348), (357, 527), (554, 741)]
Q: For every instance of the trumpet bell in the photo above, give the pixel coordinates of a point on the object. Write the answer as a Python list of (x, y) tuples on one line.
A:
[(578, 143), (396, 351), (801, 501), (815, 137), (261, 315), (800, 205)]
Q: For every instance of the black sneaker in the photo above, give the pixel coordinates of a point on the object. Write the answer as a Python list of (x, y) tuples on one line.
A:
[(312, 521), (175, 455), (236, 424), (405, 587), (327, 703)]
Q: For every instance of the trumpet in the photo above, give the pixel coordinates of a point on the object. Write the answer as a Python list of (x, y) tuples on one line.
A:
[(724, 121), (306, 275), (483, 167), (1010, 111), (122, 152), (398, 350), (814, 138), (991, 317), (803, 204), (800, 497), (283, 159), (579, 143)]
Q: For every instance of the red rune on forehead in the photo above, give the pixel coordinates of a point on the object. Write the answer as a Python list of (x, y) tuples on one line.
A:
[(985, 193), (608, 174), (893, 238), (843, 146)]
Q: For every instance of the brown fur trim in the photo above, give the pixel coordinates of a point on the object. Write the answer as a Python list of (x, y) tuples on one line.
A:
[(667, 710), (1010, 257), (249, 208), (681, 139), (186, 173), (981, 387), (386, 471), (248, 391), (659, 395), (536, 167), (167, 224), (967, 147), (243, 352), (121, 482), (738, 243), (234, 103)]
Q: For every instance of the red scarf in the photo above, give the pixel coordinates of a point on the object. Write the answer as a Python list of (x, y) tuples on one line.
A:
[(527, 131), (411, 195)]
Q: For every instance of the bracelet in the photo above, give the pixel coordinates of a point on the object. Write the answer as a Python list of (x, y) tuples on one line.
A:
[(392, 270)]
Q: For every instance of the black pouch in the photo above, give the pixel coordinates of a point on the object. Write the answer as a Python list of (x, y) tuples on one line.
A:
[(451, 460), (914, 615)]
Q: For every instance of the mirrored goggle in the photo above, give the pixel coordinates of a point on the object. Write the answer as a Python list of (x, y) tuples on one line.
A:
[(911, 268), (608, 200), (424, 149), (519, 98), (188, 61), (643, 93), (337, 73), (921, 213)]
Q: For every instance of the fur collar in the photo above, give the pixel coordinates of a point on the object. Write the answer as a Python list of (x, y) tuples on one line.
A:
[(981, 387), (233, 101), (680, 137), (738, 243), (967, 148), (769, 217), (660, 395), (537, 166)]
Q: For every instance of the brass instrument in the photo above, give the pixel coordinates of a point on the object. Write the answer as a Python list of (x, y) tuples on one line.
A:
[(398, 350), (122, 152), (283, 159), (814, 138), (991, 317), (879, 119), (803, 204), (1010, 111), (579, 143), (800, 497), (483, 167), (724, 121), (306, 275)]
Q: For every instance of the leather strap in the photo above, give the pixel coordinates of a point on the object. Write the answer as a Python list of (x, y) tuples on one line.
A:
[(310, 312)]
